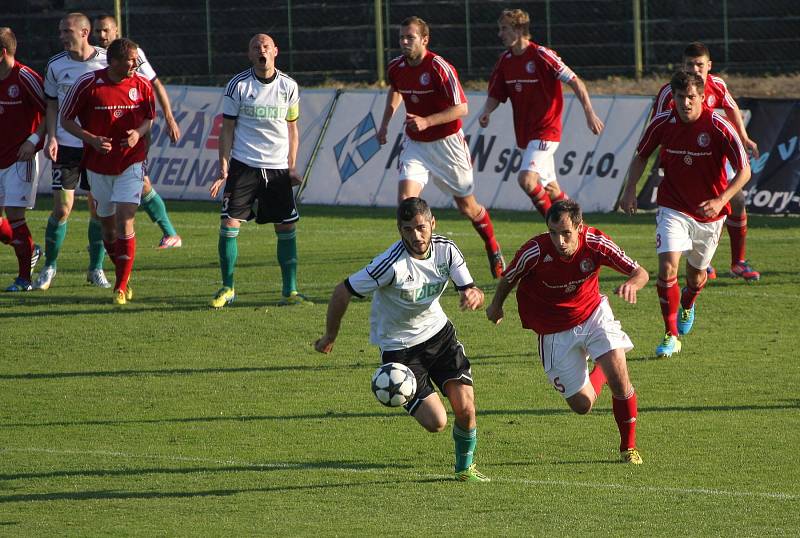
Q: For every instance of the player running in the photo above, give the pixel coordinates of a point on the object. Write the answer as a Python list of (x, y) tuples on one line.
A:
[(697, 59), (531, 76), (409, 326), (558, 296), (22, 135), (434, 146), (693, 197)]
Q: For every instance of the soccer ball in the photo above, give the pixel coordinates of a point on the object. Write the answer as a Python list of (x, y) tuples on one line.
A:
[(394, 384)]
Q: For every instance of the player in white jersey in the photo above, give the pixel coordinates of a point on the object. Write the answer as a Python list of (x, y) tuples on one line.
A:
[(64, 149), (409, 326), (105, 31), (257, 155)]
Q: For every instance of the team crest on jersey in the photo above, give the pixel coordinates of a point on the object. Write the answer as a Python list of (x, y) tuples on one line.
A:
[(530, 67), (687, 159), (118, 113), (518, 87), (414, 98), (13, 91), (586, 265), (711, 100), (570, 288), (443, 269), (424, 79), (703, 140), (133, 94)]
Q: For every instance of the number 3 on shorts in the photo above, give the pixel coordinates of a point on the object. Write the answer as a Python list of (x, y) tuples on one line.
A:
[(558, 386), (658, 240)]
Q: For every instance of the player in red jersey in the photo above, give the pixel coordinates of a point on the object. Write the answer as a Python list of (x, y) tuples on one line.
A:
[(434, 146), (22, 110), (693, 197), (697, 59), (558, 296), (116, 109), (531, 76)]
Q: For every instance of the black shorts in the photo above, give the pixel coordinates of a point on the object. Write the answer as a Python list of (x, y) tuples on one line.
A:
[(67, 171), (439, 359), (270, 191)]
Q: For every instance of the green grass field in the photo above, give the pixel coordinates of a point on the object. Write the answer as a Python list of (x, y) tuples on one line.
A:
[(167, 418)]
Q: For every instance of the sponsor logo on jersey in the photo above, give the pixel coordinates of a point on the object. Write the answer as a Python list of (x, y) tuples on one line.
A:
[(703, 140), (530, 67), (711, 100), (133, 94), (586, 265), (547, 258), (570, 288), (357, 147), (427, 291), (13, 91), (118, 113), (425, 79), (443, 269), (687, 159)]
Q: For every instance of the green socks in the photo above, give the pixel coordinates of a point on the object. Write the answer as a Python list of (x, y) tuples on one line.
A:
[(154, 206), (54, 237), (228, 252), (465, 446), (287, 259), (96, 249)]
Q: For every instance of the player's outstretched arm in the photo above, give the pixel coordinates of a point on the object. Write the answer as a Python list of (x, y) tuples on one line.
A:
[(495, 309), (594, 123), (471, 298), (336, 310), (489, 106), (628, 201), (393, 99), (635, 282), (451, 113), (173, 129)]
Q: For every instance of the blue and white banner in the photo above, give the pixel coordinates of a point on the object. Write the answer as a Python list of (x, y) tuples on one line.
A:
[(352, 169)]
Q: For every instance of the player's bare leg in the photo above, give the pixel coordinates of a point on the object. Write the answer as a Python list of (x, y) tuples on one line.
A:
[(154, 206), (554, 191), (56, 231), (623, 402), (669, 295), (736, 223), (407, 188), (530, 183), (431, 414), (465, 432), (482, 222)]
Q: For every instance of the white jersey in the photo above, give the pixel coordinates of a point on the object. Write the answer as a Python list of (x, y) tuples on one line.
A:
[(61, 73), (145, 69), (405, 306), (262, 111)]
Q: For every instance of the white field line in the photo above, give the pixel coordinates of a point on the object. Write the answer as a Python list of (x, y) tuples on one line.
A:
[(301, 466)]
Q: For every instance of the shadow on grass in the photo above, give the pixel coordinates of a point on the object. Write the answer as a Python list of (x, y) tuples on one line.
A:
[(312, 466)]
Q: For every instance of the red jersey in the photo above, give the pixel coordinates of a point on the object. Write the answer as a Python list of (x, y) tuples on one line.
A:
[(532, 81), (22, 108), (715, 91), (427, 88), (693, 156), (555, 294), (110, 109)]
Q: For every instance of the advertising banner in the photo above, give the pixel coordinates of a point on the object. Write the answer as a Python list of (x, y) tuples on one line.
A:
[(351, 168)]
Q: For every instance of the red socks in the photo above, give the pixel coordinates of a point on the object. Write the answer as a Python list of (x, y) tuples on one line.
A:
[(670, 297), (737, 230), (5, 231), (540, 200), (124, 250), (625, 411), (689, 296), (22, 242), (561, 196), (483, 225), (597, 378)]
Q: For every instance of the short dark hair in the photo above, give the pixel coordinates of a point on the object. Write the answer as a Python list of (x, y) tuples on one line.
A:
[(569, 207), (8, 40), (411, 207), (119, 48), (424, 30), (106, 16), (695, 50), (682, 80)]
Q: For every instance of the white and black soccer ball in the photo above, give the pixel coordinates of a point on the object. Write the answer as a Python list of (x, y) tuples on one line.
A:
[(394, 384)]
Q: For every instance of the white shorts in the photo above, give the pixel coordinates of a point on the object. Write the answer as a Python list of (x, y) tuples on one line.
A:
[(18, 184), (109, 190), (678, 232), (447, 161), (564, 354), (539, 157)]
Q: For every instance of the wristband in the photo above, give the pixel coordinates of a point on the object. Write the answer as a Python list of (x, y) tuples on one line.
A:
[(34, 139)]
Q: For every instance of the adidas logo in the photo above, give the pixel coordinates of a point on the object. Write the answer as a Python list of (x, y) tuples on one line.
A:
[(547, 258), (66, 76), (409, 278)]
